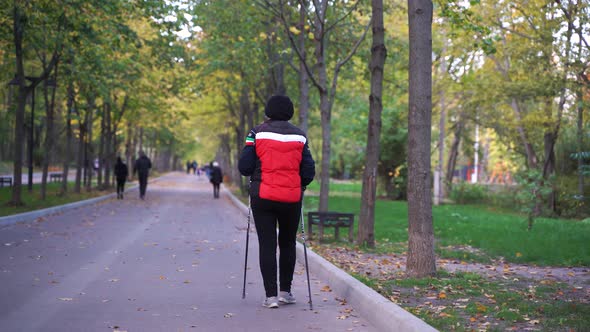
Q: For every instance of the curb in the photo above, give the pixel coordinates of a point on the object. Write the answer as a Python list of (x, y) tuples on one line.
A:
[(382, 313), (32, 215)]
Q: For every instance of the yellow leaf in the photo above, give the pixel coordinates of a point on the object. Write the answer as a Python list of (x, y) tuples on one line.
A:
[(480, 307), (294, 30), (310, 36), (326, 289), (518, 254), (263, 35), (442, 295)]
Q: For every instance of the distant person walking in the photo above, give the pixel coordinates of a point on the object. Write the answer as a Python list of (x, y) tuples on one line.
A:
[(142, 168), (278, 161), (194, 166), (216, 178), (121, 173)]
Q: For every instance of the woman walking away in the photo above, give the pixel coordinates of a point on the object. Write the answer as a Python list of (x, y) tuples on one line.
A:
[(121, 172), (278, 161), (216, 178)]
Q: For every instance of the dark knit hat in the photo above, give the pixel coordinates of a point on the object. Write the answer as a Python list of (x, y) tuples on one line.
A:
[(279, 108)]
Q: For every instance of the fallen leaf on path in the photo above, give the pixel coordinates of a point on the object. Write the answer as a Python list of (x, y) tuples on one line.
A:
[(326, 289), (66, 299), (228, 315)]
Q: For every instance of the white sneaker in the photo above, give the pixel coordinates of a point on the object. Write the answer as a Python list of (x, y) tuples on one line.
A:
[(271, 302), (287, 298)]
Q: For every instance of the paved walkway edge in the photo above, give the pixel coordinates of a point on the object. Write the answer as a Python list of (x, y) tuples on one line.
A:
[(32, 215), (379, 311)]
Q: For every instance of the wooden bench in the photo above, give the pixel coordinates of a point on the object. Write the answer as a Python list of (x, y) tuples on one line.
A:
[(55, 177), (330, 219), (5, 180)]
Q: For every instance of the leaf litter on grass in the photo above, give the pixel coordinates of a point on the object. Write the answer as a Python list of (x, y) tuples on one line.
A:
[(476, 296)]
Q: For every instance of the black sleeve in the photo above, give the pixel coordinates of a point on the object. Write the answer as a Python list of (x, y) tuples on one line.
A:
[(247, 162), (307, 167)]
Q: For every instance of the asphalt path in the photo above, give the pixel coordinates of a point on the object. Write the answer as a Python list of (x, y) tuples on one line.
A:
[(173, 262)]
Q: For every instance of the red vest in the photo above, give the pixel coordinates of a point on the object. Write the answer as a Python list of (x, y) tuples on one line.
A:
[(280, 159)]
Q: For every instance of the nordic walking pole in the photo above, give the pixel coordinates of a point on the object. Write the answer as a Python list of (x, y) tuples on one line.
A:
[(305, 255), (246, 259)]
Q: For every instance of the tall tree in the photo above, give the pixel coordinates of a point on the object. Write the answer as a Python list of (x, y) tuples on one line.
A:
[(421, 259), (366, 235), (325, 17), (20, 24)]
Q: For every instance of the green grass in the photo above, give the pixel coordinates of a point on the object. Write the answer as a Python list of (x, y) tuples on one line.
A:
[(338, 187), (554, 242), (34, 202)]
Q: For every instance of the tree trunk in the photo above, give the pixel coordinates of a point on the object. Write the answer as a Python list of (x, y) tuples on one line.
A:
[(81, 147), (89, 147), (303, 77), (18, 29), (366, 235), (439, 192), (483, 174), (129, 146), (140, 138), (49, 139), (325, 110), (101, 146), (108, 146), (580, 139), (454, 152), (528, 147), (67, 158), (421, 259)]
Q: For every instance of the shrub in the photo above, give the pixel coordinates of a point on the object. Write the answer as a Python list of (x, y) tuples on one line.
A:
[(469, 193)]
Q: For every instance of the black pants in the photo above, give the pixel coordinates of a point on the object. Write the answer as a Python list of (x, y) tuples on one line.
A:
[(215, 190), (266, 216), (143, 179), (120, 186)]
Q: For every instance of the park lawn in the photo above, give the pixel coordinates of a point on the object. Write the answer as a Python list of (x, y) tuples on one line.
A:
[(469, 302), (33, 201), (552, 242)]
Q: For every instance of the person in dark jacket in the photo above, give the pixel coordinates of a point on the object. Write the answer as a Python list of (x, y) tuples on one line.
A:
[(121, 172), (277, 159), (216, 178), (142, 168)]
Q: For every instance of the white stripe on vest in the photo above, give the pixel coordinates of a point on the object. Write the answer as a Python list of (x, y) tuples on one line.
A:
[(281, 137)]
